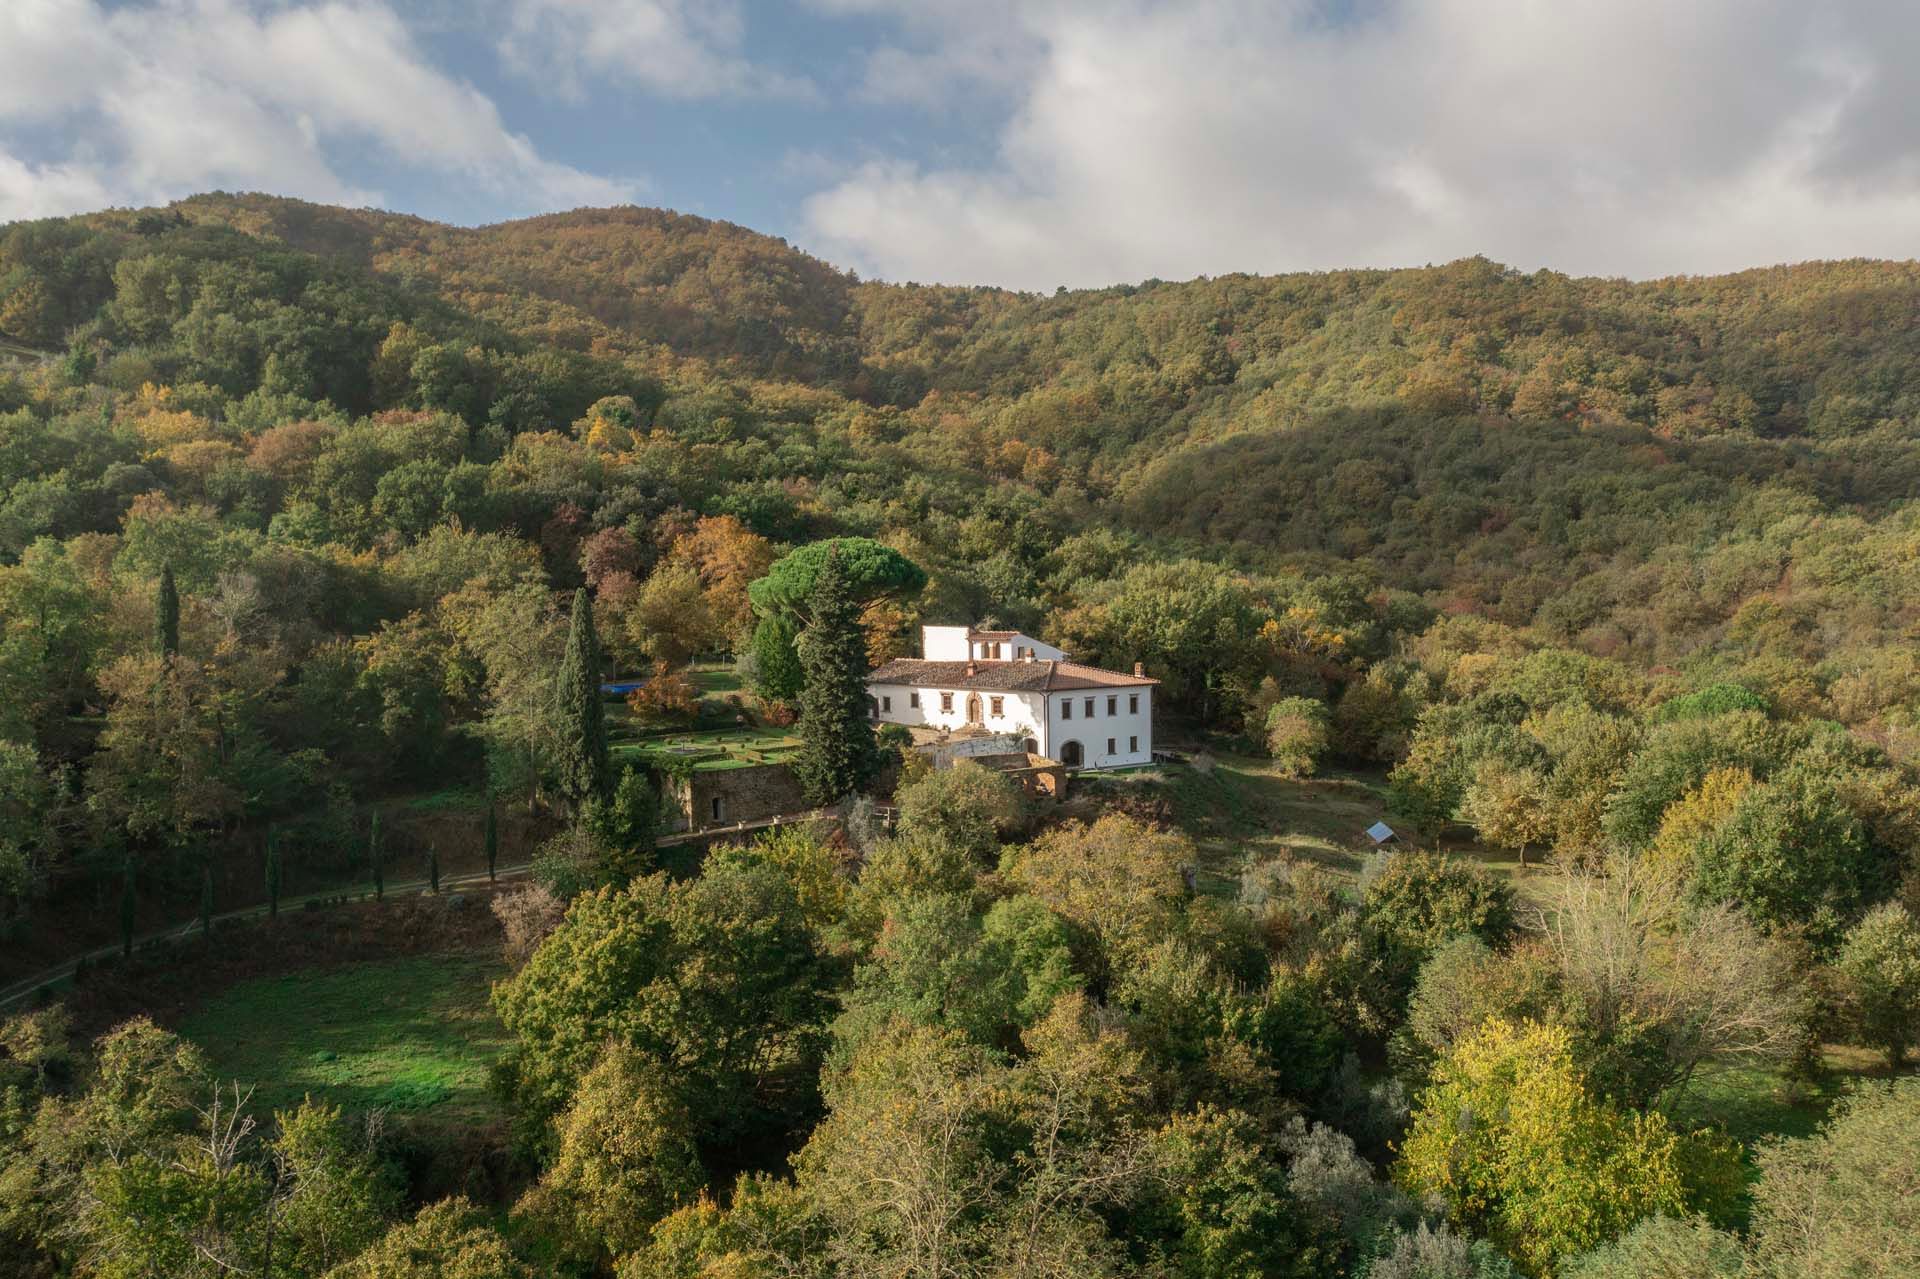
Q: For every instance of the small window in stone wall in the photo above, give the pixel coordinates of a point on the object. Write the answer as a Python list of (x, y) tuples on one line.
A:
[(1089, 708), (1113, 706), (716, 808), (946, 703), (996, 705), (1133, 703), (1110, 749), (1066, 708), (886, 703), (913, 700), (1133, 746)]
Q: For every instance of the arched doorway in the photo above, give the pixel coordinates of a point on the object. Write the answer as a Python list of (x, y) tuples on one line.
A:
[(973, 708), (1030, 746), (1071, 754)]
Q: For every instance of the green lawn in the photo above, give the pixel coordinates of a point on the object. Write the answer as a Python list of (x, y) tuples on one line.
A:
[(1239, 810), (413, 1034), (716, 681)]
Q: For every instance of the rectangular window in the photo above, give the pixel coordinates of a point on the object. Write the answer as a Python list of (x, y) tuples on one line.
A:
[(913, 700), (1066, 708), (1110, 749), (996, 707), (1133, 703), (1133, 746), (886, 703), (946, 703), (1089, 708), (716, 808), (1113, 706)]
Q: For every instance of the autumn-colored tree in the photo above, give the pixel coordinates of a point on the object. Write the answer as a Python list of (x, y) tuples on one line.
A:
[(1509, 1139)]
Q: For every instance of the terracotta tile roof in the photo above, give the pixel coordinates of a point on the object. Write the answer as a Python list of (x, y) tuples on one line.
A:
[(1015, 677)]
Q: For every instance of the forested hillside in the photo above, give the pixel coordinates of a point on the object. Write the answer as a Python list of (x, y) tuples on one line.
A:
[(305, 510)]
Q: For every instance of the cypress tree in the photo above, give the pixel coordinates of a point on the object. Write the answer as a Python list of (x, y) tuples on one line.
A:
[(126, 910), (433, 868), (273, 874), (493, 839), (837, 754), (584, 772), (206, 901), (167, 614), (375, 856)]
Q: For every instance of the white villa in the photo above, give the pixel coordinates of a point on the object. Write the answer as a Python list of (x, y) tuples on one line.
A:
[(1007, 682)]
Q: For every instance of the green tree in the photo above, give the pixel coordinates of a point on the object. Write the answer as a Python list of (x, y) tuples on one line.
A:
[(624, 1157), (1879, 968), (868, 570), (783, 602), (433, 869), (837, 753), (1296, 731), (582, 766), (167, 614), (1840, 1204), (716, 979), (1790, 853), (332, 1194), (1664, 1248), (206, 902), (377, 857), (967, 807), (451, 1239), (1423, 899)]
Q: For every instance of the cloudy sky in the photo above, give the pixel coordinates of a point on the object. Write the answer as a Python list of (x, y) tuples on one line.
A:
[(1021, 142)]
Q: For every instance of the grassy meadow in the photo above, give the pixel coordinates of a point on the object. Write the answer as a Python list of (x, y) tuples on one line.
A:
[(412, 1035)]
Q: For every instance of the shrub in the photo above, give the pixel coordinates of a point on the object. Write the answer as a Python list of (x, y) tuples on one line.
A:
[(526, 916), (1879, 969), (1424, 899), (1297, 734), (967, 806)]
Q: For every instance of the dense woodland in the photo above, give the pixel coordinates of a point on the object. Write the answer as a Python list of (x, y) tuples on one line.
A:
[(301, 508)]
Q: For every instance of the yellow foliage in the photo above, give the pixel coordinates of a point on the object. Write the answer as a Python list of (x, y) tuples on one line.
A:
[(1692, 818), (1509, 1139)]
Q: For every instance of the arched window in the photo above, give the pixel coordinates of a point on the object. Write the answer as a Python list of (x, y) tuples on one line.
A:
[(1071, 755)]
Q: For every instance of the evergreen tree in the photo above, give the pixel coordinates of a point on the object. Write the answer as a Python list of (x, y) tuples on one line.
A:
[(837, 754), (583, 769), (273, 874), (167, 614), (433, 868), (493, 839), (126, 911), (375, 856)]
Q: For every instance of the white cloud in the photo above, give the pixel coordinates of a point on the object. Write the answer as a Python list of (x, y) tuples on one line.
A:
[(165, 98), (1635, 137), (677, 48)]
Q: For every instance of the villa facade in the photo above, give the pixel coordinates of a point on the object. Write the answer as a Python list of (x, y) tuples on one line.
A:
[(1006, 682)]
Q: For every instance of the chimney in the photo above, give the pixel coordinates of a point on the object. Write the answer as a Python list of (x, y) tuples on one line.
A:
[(1139, 670), (1026, 655), (970, 668)]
